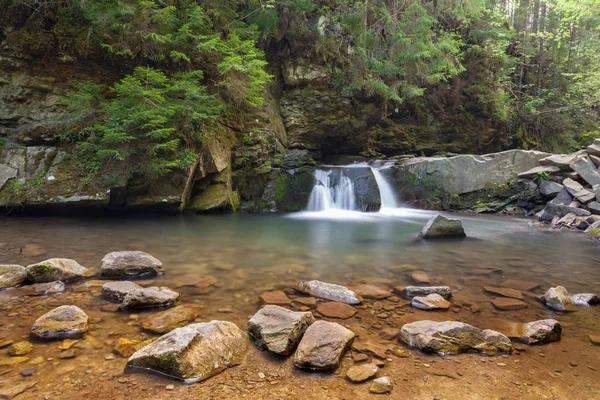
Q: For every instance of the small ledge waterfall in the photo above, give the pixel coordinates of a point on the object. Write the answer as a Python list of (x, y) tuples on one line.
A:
[(334, 190)]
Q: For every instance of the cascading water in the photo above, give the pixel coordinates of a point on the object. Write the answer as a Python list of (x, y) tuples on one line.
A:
[(388, 200), (331, 193)]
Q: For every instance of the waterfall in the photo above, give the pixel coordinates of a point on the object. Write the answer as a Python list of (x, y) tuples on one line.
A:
[(329, 193), (388, 200)]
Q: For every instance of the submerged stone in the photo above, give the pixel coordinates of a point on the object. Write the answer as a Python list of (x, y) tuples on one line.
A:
[(585, 299), (278, 329), (277, 297), (360, 373), (329, 291), (175, 317), (149, 297), (323, 346), (194, 352), (12, 275), (420, 277), (64, 322), (453, 337), (408, 292), (508, 304), (381, 385), (117, 290), (506, 292), (48, 288), (56, 269), (430, 302), (441, 227), (129, 264), (20, 349), (369, 291), (336, 310)]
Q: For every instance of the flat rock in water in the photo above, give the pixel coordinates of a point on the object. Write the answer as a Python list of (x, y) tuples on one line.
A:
[(47, 288), (518, 284), (381, 385), (360, 373), (585, 299), (194, 352), (441, 227), (129, 264), (277, 297), (430, 302), (533, 172), (56, 269), (508, 304), (306, 301), (12, 275), (595, 340), (20, 349), (149, 297), (328, 291), (506, 292), (451, 337), (408, 292), (117, 290), (64, 322), (323, 346), (557, 298), (336, 310), (369, 291), (420, 277), (175, 317), (278, 329)]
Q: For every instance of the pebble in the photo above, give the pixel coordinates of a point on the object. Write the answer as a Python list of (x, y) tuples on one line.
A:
[(170, 387), (28, 371), (501, 364), (66, 354), (573, 364), (109, 357), (261, 375)]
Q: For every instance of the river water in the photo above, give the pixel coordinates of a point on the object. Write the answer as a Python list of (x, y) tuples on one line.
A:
[(250, 254)]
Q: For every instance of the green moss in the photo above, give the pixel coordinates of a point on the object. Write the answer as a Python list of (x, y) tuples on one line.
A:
[(595, 233)]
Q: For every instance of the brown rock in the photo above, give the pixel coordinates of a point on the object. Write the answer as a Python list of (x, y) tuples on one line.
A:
[(11, 391), (370, 348), (507, 304), (360, 357), (360, 373), (276, 297), (67, 344), (307, 301), (372, 291), (126, 347), (168, 320), (323, 346), (389, 333), (336, 310), (506, 292), (595, 340), (20, 349), (420, 277), (430, 302), (381, 385)]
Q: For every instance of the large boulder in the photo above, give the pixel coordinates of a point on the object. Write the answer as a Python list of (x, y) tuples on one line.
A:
[(64, 322), (129, 264), (149, 297), (557, 298), (278, 329), (194, 352), (56, 269), (453, 337), (323, 346), (439, 226), (329, 291), (12, 275), (168, 320)]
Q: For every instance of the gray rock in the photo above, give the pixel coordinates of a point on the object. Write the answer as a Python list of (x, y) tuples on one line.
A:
[(533, 172), (453, 337), (596, 189), (594, 148), (48, 288), (572, 186), (323, 346), (430, 302), (149, 297), (128, 264), (194, 352), (117, 290), (562, 161), (64, 322), (439, 226), (563, 198), (594, 207), (549, 188), (12, 275), (557, 298), (585, 196), (381, 385), (538, 332), (585, 299), (587, 170), (278, 329), (562, 210), (56, 269), (329, 291), (408, 292)]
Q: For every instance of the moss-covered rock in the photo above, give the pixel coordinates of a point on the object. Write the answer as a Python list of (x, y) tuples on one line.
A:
[(288, 190), (64, 322), (56, 269)]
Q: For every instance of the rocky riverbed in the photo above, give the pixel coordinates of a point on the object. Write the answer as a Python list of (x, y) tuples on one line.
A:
[(233, 282)]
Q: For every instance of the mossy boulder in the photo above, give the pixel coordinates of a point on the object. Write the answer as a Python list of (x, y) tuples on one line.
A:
[(216, 197), (64, 322), (56, 269), (288, 190), (12, 275)]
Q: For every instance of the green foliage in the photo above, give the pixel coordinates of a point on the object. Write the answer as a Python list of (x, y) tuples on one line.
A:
[(541, 176)]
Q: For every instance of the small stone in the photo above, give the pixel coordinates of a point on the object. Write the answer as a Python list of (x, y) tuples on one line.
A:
[(276, 297), (323, 346), (117, 290), (128, 264), (149, 297), (5, 342), (368, 291), (573, 364), (360, 373), (508, 304), (430, 302), (381, 385), (360, 357), (20, 349), (329, 291), (175, 317), (557, 298), (66, 354), (595, 340), (400, 353), (389, 333), (48, 288), (67, 344), (408, 292), (37, 360), (170, 387), (261, 375), (126, 347), (12, 275), (336, 310), (27, 371), (109, 357), (278, 329)]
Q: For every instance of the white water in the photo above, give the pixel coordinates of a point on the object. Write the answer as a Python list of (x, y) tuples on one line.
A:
[(327, 195), (388, 199)]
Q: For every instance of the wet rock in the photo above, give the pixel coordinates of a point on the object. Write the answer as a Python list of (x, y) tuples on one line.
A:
[(12, 361), (420, 277), (11, 391), (278, 329), (323, 346), (56, 269), (67, 344), (149, 297), (585, 299), (194, 352), (129, 264), (12, 275), (168, 320), (126, 347), (368, 347), (538, 332), (67, 354), (430, 302), (526, 286), (408, 292), (360, 373), (442, 227), (368, 291), (117, 290), (388, 333), (508, 304), (63, 322), (275, 297), (328, 291), (48, 288), (336, 310), (452, 337), (381, 385), (533, 172), (310, 302), (5, 342), (20, 349), (506, 292), (557, 298), (595, 340)]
